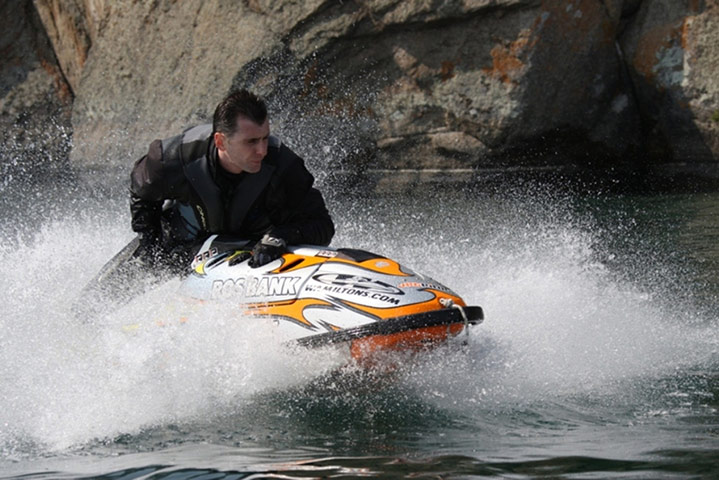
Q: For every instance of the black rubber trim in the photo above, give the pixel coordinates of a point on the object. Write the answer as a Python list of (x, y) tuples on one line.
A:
[(358, 255), (446, 316)]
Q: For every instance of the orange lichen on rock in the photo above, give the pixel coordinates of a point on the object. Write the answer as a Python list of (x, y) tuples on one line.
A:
[(447, 70), (686, 32), (61, 86), (506, 62), (649, 48)]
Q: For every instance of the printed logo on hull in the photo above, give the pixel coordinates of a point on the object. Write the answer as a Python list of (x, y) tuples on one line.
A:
[(434, 286), (357, 282), (256, 287)]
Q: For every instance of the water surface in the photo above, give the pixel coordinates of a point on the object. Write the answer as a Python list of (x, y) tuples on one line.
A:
[(598, 357)]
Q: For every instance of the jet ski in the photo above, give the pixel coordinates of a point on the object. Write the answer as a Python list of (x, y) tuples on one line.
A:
[(320, 296)]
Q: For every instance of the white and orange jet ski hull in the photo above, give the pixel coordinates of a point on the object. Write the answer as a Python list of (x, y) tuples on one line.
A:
[(322, 296)]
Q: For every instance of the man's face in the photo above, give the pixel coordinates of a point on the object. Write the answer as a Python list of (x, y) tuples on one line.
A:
[(244, 150)]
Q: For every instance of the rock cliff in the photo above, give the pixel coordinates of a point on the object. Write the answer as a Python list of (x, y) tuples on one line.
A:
[(35, 101), (601, 84)]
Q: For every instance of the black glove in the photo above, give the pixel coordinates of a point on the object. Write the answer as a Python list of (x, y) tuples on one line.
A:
[(178, 259), (239, 256), (268, 249), (149, 252)]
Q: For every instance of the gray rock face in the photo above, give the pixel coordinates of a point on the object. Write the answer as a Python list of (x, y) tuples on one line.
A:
[(461, 84), (672, 49), (35, 99), (625, 84)]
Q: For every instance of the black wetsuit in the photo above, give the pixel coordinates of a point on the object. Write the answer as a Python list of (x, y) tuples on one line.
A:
[(201, 198)]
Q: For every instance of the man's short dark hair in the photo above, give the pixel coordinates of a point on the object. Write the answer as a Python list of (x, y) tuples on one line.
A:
[(238, 102)]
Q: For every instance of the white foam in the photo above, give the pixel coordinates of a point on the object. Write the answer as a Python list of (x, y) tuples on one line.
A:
[(69, 381), (558, 322)]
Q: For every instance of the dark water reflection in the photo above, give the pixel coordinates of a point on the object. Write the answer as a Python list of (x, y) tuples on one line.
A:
[(672, 236)]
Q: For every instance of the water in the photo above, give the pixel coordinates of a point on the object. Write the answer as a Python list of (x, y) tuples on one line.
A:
[(598, 357)]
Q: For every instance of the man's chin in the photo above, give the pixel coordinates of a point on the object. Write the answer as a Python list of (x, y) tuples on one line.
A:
[(253, 167)]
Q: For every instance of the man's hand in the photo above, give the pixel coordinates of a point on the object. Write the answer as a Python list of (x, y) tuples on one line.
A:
[(266, 250), (239, 257), (149, 251)]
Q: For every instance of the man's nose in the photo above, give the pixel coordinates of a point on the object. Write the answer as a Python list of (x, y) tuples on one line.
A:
[(262, 148)]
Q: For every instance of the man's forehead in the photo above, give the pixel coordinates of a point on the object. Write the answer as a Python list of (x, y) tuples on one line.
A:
[(248, 127)]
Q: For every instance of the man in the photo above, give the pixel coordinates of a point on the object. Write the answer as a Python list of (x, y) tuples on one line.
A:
[(233, 178)]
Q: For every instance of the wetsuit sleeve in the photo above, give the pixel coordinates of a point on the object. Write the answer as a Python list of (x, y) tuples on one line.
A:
[(146, 191), (306, 219)]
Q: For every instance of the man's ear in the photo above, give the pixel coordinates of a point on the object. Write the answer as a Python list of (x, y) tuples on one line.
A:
[(220, 141)]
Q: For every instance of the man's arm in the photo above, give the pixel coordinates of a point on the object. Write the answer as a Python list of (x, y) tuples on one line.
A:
[(305, 216), (146, 192), (311, 223)]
